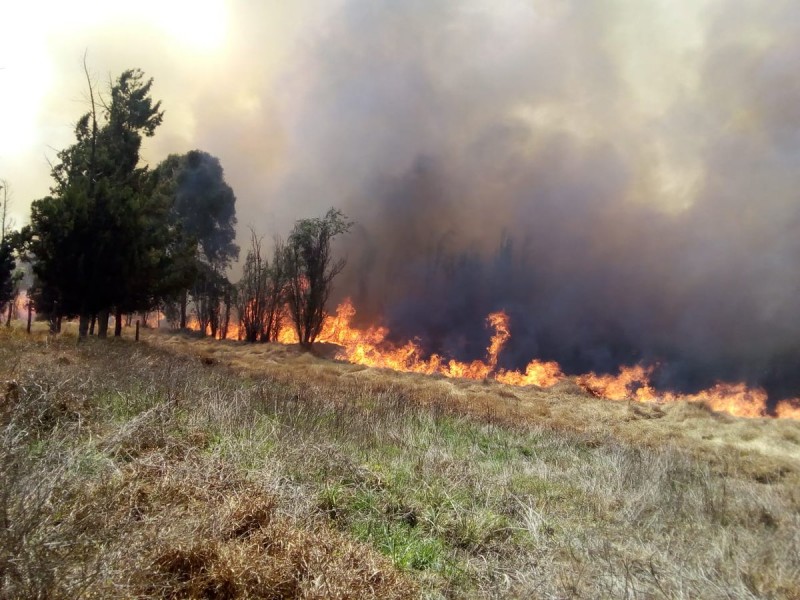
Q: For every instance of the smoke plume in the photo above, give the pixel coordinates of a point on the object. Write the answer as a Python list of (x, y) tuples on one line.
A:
[(621, 178)]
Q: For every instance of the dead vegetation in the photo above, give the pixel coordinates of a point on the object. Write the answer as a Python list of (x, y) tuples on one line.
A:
[(107, 490), (180, 468)]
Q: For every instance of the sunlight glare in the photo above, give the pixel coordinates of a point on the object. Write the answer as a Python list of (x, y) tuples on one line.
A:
[(199, 25)]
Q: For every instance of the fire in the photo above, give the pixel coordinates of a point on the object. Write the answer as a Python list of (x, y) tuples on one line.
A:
[(788, 410), (632, 382), (371, 347), (543, 374), (736, 399), (499, 322), (234, 332), (21, 306)]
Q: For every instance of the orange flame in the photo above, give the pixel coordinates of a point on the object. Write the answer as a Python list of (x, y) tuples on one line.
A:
[(370, 347), (543, 374), (234, 331), (788, 410), (632, 382)]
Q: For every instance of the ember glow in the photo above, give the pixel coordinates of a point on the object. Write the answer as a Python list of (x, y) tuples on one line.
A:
[(371, 347)]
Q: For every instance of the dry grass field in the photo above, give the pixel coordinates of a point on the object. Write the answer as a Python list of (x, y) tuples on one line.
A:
[(187, 468)]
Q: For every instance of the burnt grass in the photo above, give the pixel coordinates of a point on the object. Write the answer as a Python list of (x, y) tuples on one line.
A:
[(139, 471)]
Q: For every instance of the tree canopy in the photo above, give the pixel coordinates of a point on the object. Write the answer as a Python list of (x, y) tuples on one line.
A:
[(98, 239), (202, 203), (202, 216), (311, 270), (114, 235)]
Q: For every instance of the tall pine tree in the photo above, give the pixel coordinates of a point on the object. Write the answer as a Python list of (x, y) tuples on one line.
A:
[(99, 239)]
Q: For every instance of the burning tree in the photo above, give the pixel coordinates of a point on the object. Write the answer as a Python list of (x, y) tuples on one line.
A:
[(311, 270), (262, 291), (212, 295)]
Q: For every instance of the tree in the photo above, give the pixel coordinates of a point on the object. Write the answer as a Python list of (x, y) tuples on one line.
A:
[(252, 291), (97, 240), (311, 270), (4, 221), (212, 297), (261, 291), (7, 275), (203, 211), (277, 290)]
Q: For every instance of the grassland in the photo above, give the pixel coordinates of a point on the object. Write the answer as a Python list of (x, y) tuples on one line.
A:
[(187, 468)]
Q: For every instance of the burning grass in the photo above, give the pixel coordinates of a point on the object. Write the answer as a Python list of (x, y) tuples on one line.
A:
[(188, 468)]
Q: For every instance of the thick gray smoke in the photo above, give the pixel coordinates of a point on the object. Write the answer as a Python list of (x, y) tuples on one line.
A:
[(622, 177), (624, 196)]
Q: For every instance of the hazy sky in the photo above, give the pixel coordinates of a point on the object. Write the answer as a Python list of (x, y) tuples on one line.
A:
[(216, 66), (239, 79), (257, 83)]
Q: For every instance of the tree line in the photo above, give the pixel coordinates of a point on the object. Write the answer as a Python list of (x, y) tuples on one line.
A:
[(116, 237)]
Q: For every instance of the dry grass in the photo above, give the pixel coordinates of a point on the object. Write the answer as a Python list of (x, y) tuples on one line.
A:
[(107, 490), (564, 407), (184, 468)]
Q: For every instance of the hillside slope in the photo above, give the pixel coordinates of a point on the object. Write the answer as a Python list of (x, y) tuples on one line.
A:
[(180, 467), (565, 406)]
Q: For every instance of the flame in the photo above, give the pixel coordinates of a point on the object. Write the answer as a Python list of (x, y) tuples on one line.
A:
[(737, 399), (543, 374), (631, 382), (21, 306), (235, 332), (733, 398), (371, 347), (789, 409)]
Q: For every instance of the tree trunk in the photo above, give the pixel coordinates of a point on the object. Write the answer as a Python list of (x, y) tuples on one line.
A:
[(226, 319), (30, 314), (83, 326), (92, 323), (184, 300), (55, 326), (102, 324), (118, 322), (10, 309), (212, 322)]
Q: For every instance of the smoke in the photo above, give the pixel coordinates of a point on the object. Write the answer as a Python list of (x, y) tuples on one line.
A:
[(621, 178)]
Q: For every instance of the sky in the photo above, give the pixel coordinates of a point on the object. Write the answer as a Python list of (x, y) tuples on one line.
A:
[(235, 77), (214, 64), (620, 176)]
